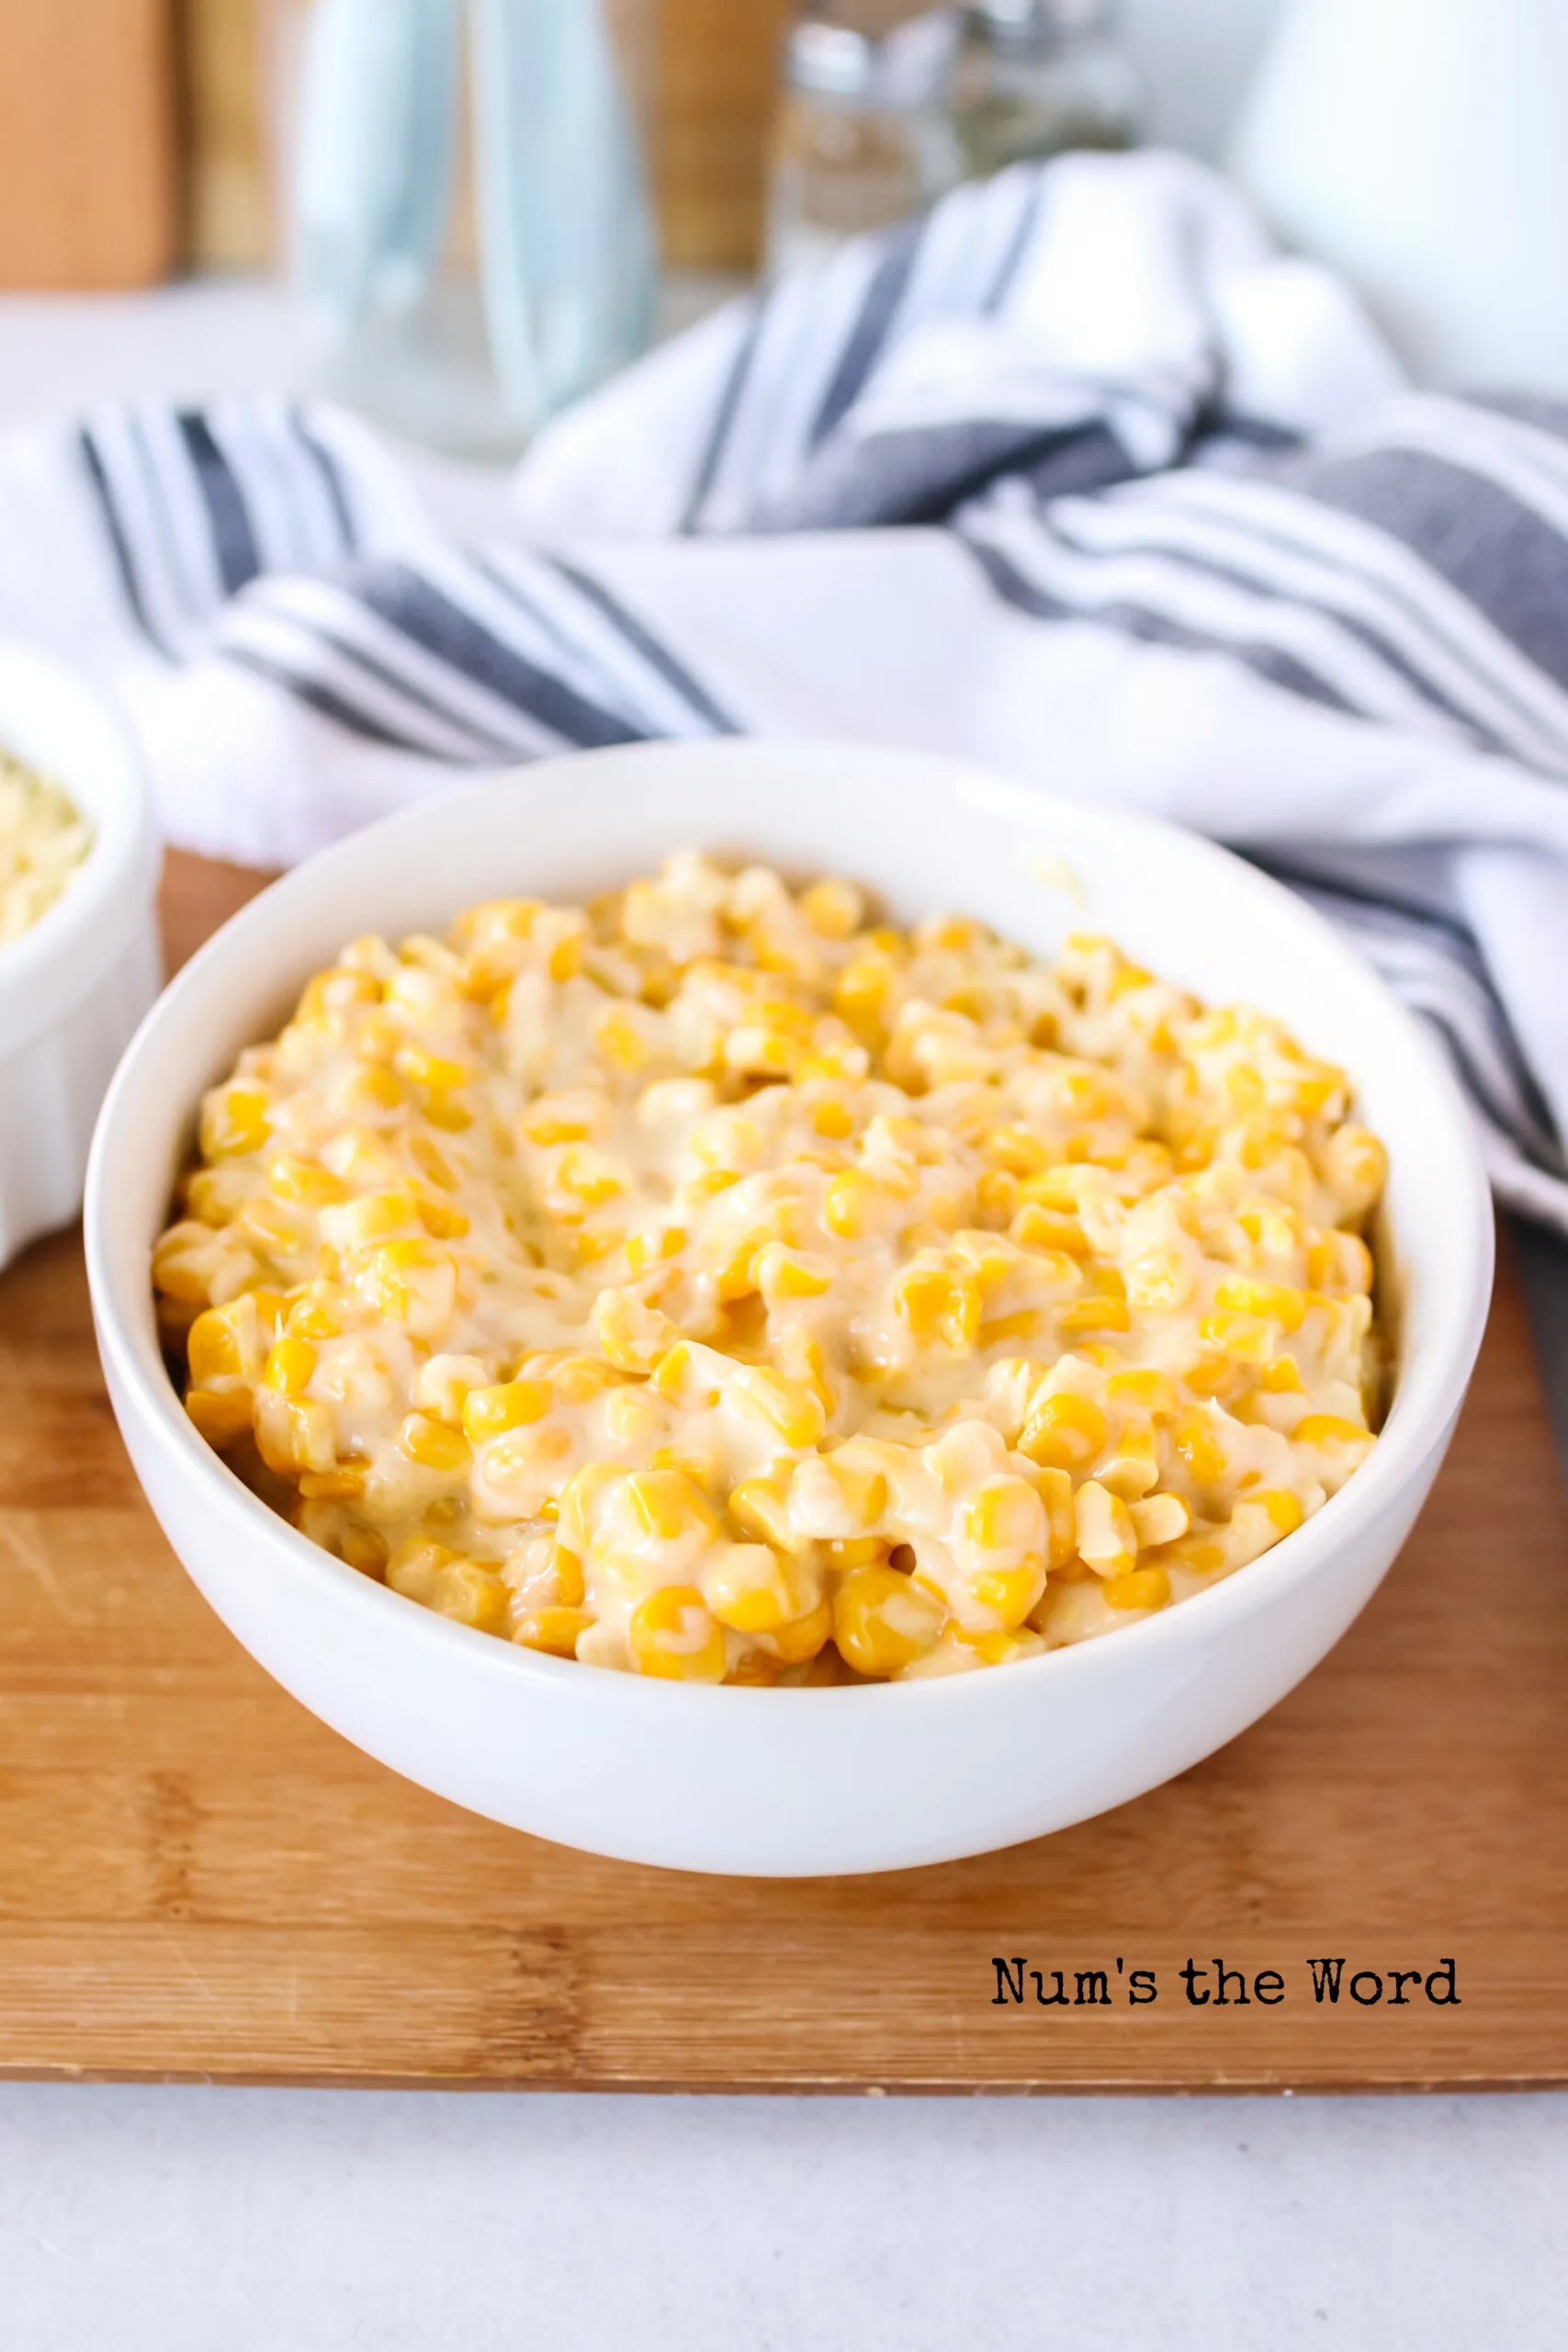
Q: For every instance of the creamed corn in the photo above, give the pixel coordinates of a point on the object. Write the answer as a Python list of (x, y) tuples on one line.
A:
[(42, 843), (720, 1284)]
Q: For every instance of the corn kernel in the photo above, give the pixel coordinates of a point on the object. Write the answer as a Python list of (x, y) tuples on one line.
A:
[(363, 1550), (1147, 1588), (295, 1434), (749, 1587), (883, 1621), (1009, 1593), (1065, 1431), (571, 1585), (414, 1282), (674, 1635), (582, 1503), (1005, 1515), (555, 1630), (1197, 1552), (1133, 1466), (1197, 1442), (620, 1039), (1151, 1392), (863, 989), (488, 1411), (761, 1506), (582, 1179), (314, 1313), (1159, 1282), (633, 1335), (668, 1506), (782, 1276), (1159, 1519), (1106, 1537), (289, 1366), (224, 1344), (221, 1416), (939, 1305), (443, 1220), (1283, 1510), (422, 1067), (215, 1195), (1357, 1164), (304, 1183), (1276, 1302), (1047, 1232), (832, 1119), (434, 1446), (455, 1587), (837, 1497), (654, 1245), (690, 1375), (560, 1119), (835, 909), (371, 1089), (579, 1379), (851, 1203), (344, 1485), (804, 1637), (1329, 1428), (1093, 1314), (788, 1409), (235, 1121), (383, 1215)]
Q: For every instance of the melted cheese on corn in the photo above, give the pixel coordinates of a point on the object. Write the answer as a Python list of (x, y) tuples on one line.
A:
[(717, 1284), (42, 843)]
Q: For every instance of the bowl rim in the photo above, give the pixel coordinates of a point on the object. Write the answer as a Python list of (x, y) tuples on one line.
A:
[(1418, 1425), (52, 964)]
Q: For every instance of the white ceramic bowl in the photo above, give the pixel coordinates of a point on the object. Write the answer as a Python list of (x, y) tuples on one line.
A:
[(73, 988), (796, 1781)]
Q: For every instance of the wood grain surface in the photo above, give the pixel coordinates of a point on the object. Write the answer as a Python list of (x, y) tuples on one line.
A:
[(87, 150), (199, 1880)]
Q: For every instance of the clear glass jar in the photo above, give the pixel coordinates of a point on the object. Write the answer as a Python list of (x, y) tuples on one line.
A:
[(463, 201), (864, 136), (1038, 77)]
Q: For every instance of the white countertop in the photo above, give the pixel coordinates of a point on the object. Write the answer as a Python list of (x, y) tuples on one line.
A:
[(156, 2220), (312, 2221)]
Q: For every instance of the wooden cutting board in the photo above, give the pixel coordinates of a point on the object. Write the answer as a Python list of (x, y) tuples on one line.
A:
[(199, 1880)]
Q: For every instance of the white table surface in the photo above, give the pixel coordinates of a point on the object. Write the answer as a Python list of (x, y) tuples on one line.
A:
[(160, 2220)]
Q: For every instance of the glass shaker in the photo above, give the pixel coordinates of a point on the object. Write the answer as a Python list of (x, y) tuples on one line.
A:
[(464, 209), (864, 136), (1037, 77)]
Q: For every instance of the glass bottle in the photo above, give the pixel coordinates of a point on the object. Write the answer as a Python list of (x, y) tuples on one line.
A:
[(1039, 77), (864, 136), (465, 211)]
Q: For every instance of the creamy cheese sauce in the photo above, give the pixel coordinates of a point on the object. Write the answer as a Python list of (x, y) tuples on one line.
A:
[(715, 1283)]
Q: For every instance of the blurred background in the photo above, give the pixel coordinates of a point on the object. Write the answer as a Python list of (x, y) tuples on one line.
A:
[(481, 208), (717, 80), (465, 213)]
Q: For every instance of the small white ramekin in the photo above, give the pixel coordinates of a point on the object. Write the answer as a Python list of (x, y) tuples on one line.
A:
[(73, 988), (793, 1783)]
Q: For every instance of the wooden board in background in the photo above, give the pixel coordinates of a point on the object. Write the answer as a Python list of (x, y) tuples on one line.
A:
[(198, 1880), (88, 147)]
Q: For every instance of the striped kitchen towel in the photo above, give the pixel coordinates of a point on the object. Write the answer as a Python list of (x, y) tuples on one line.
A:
[(1078, 477)]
